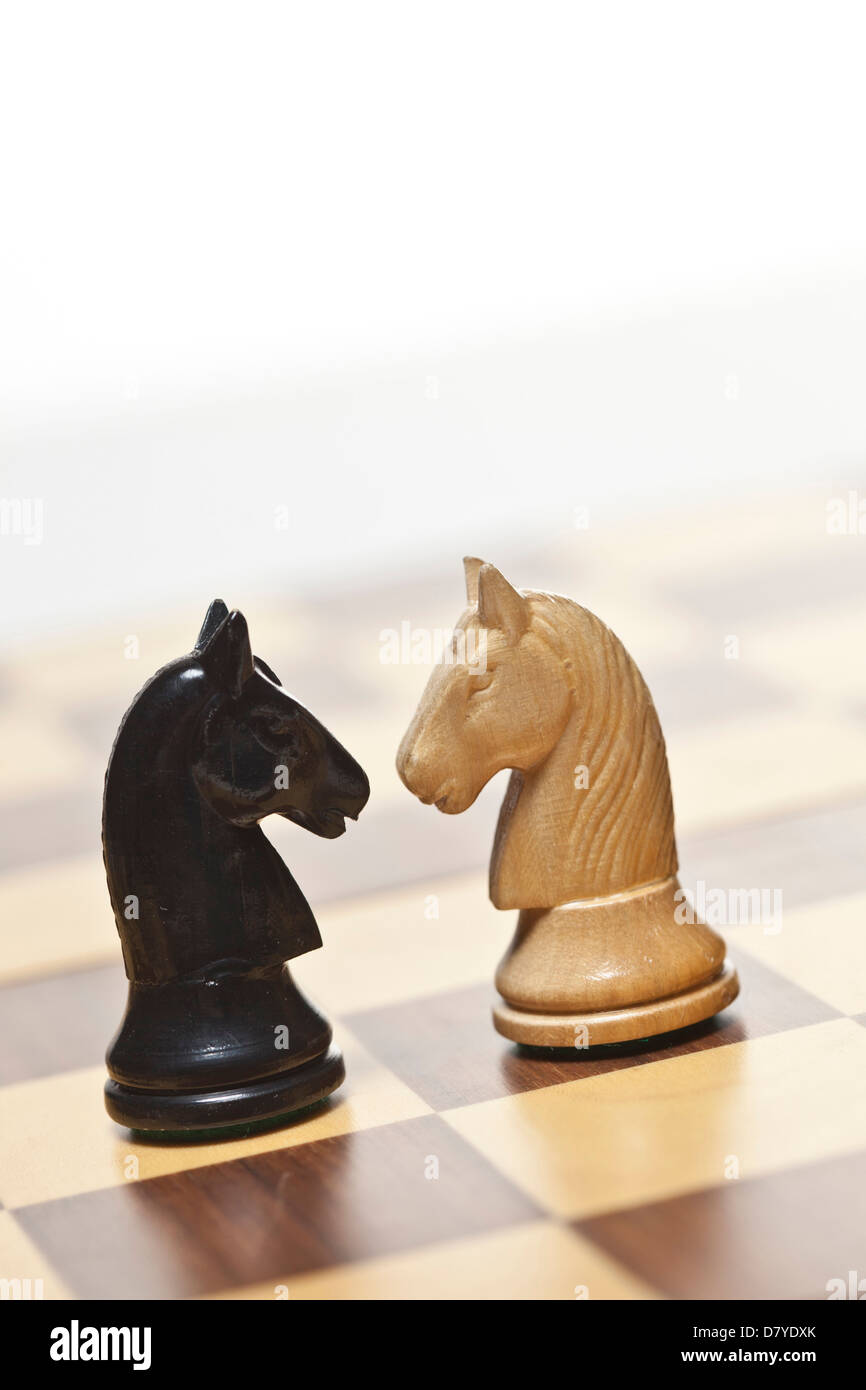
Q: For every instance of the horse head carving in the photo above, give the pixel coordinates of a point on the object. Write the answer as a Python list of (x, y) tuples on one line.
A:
[(585, 844), (206, 910)]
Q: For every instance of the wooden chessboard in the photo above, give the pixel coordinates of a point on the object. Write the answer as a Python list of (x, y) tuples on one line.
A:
[(724, 1162)]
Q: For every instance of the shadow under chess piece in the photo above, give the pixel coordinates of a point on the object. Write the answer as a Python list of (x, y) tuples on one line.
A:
[(216, 1033), (585, 842)]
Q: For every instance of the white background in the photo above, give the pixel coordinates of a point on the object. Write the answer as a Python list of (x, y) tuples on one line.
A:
[(428, 275)]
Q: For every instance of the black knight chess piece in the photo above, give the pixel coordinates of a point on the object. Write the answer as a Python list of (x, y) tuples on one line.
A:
[(216, 1034)]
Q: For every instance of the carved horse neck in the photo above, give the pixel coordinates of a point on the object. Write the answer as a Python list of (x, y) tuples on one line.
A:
[(185, 884), (596, 816)]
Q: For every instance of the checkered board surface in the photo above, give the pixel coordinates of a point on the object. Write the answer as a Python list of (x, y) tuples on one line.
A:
[(727, 1161)]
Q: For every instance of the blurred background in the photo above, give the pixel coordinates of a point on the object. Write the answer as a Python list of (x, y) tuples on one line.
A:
[(299, 304), (428, 278), (302, 303)]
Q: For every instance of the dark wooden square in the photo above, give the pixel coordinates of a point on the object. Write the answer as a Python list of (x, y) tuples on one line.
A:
[(276, 1214), (445, 1048), (782, 1236)]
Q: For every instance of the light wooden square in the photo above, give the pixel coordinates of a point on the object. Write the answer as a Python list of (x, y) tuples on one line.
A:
[(648, 1132), (56, 1139), (821, 947), (538, 1260)]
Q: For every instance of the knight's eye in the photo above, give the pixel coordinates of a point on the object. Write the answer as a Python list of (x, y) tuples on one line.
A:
[(479, 682), (276, 726)]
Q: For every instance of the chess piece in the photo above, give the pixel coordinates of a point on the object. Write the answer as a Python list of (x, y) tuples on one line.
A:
[(216, 1033), (585, 843)]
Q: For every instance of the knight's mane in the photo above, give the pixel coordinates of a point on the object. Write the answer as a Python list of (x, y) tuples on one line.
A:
[(622, 827), (162, 703)]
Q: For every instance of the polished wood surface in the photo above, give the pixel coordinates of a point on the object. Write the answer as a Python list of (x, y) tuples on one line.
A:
[(722, 1162), (216, 1032), (604, 950)]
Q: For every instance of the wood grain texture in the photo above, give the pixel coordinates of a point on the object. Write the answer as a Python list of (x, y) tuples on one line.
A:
[(280, 1213), (625, 1138), (585, 845), (215, 1030), (784, 1236), (418, 991), (444, 1049)]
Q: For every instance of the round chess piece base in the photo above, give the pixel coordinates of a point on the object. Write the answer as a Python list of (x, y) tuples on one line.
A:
[(612, 969), (618, 1025), (243, 1106), (206, 1052)]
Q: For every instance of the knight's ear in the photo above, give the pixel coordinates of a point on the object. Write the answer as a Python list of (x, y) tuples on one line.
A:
[(227, 656), (263, 666), (500, 605), (471, 569), (212, 619)]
